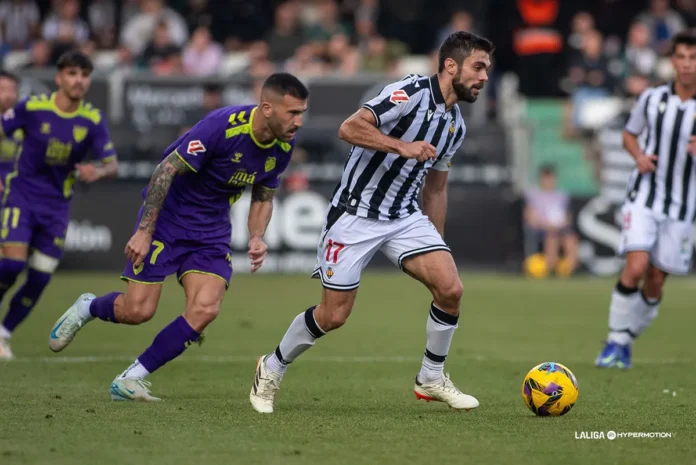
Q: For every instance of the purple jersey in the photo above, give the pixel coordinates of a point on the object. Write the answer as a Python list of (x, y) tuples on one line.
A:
[(10, 148), (54, 141), (225, 158)]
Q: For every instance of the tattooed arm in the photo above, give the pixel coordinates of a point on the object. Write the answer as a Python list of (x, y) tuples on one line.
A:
[(261, 210), (160, 183)]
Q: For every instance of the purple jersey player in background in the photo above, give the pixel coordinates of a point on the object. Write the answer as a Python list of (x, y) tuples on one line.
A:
[(10, 145), (184, 227), (60, 130)]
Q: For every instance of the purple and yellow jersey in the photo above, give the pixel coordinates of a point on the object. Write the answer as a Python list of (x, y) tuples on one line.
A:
[(225, 158), (10, 148), (54, 141)]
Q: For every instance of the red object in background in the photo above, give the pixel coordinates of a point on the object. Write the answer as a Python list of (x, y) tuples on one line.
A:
[(296, 181)]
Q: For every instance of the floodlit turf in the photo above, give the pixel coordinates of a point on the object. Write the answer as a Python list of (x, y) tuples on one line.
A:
[(350, 400)]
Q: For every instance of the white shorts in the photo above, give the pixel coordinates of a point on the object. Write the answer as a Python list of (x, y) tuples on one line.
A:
[(349, 242), (669, 242)]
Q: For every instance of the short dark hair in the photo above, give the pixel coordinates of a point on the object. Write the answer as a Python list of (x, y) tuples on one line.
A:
[(212, 88), (687, 37), (286, 84), (547, 169), (459, 45), (75, 58), (7, 75)]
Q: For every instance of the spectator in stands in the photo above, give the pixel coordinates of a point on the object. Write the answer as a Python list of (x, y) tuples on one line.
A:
[(139, 29), (687, 9), (640, 59), (381, 55), (341, 57), (305, 62), (327, 25), (66, 22), (198, 13), (461, 20), (663, 22), (102, 22), (212, 100), (202, 56), (40, 55), (589, 74), (582, 23), (162, 55), (548, 218), (19, 21), (285, 37)]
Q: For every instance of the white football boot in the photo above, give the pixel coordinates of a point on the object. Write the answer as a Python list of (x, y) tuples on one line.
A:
[(266, 385), (132, 389), (64, 330), (5, 351), (445, 391)]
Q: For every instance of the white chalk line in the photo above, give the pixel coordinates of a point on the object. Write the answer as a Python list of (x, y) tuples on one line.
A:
[(453, 359)]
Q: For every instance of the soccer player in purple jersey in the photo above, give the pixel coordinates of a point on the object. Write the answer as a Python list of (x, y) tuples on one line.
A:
[(184, 227), (60, 130), (9, 146)]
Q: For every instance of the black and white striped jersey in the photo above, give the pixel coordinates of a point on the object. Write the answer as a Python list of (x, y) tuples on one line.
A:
[(664, 124), (385, 186)]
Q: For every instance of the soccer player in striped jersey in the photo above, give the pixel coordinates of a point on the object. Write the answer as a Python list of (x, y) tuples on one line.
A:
[(184, 228), (402, 138), (659, 210), (60, 130)]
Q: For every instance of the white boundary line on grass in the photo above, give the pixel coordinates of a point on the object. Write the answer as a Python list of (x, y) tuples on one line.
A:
[(330, 359)]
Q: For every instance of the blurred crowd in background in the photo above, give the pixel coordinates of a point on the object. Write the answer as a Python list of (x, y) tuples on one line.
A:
[(599, 46)]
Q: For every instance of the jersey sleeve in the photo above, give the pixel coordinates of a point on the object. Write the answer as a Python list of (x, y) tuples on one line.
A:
[(102, 146), (443, 164), (395, 101), (198, 145), (14, 118), (639, 115)]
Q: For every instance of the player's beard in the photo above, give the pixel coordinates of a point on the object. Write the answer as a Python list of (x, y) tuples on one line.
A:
[(463, 92)]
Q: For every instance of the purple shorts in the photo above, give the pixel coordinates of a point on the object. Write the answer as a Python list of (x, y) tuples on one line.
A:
[(180, 251), (42, 231)]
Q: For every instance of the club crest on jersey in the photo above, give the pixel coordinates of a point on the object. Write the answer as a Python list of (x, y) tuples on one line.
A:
[(45, 128), (79, 133), (398, 96), (329, 273), (270, 164), (451, 129), (195, 147)]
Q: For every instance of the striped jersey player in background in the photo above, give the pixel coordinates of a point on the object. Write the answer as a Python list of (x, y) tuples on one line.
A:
[(10, 145), (184, 229), (402, 138), (658, 214), (60, 131)]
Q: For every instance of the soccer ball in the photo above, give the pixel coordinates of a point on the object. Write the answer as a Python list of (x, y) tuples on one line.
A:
[(550, 389), (535, 266)]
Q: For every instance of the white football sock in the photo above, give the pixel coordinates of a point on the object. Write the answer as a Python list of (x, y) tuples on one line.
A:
[(622, 311), (83, 309), (135, 370), (4, 333), (299, 337), (440, 331), (648, 310)]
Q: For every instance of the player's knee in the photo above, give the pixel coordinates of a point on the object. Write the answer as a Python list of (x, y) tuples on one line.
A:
[(202, 312), (139, 311), (331, 317), (449, 295), (635, 269)]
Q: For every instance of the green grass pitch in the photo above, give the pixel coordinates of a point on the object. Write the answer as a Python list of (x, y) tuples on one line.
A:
[(350, 399)]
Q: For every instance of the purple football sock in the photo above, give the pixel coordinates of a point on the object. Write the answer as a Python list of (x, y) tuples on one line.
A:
[(103, 307), (26, 297), (9, 270), (168, 344)]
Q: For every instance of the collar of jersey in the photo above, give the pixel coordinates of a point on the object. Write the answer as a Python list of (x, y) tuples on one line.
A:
[(60, 112), (251, 132), (673, 90), (435, 90)]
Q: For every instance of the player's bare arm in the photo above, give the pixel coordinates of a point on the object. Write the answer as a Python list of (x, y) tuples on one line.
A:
[(435, 199), (361, 130), (645, 163), (89, 172), (139, 245), (259, 216)]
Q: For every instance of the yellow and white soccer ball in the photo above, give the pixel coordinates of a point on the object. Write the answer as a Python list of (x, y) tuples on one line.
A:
[(535, 266), (550, 389)]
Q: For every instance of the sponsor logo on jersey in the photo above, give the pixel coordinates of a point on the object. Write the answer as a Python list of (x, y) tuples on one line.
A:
[(398, 96)]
